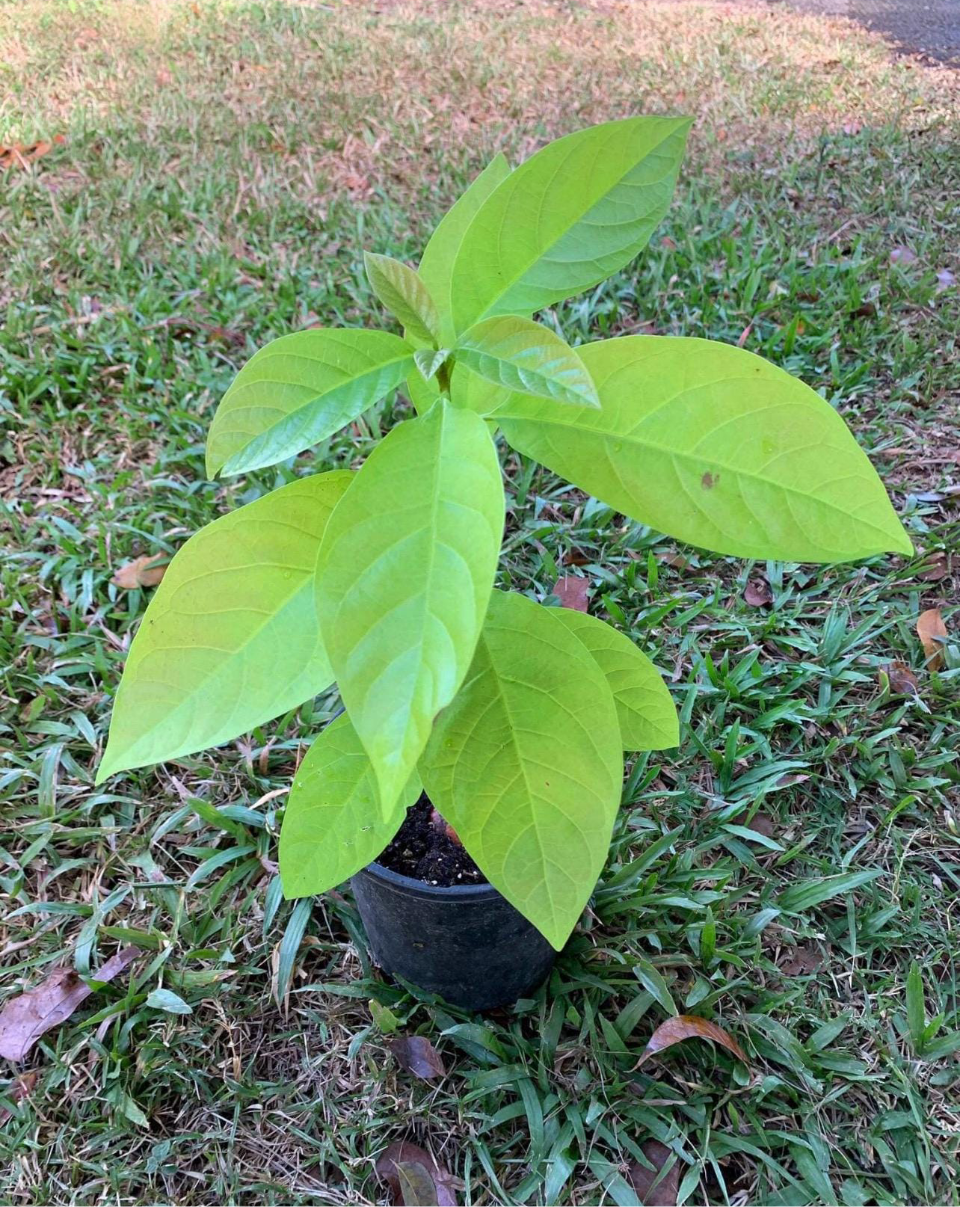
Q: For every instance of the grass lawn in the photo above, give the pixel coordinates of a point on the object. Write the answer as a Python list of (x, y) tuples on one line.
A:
[(222, 166)]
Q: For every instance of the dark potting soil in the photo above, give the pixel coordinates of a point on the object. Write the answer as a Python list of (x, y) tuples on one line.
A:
[(424, 850)]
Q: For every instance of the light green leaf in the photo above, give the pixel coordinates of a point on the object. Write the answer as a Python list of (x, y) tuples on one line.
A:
[(405, 573), (567, 218), (715, 446), (519, 354), (230, 639), (526, 764), (168, 1001), (429, 361), (404, 294), (436, 264), (300, 389), (648, 718), (333, 825)]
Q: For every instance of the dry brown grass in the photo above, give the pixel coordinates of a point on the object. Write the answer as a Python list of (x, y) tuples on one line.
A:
[(368, 94)]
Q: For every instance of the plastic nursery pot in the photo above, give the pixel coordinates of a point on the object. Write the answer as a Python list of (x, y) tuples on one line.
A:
[(466, 943)]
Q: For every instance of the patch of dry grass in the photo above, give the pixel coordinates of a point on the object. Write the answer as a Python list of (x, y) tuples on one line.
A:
[(354, 97)]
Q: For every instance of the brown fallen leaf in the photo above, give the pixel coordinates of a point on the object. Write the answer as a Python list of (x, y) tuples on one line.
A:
[(418, 1056), (664, 1193), (25, 1018), (932, 633), (17, 1090), (689, 1026), (417, 1187), (19, 155), (758, 593), (573, 592), (141, 572), (414, 1177), (935, 565), (899, 678), (800, 961)]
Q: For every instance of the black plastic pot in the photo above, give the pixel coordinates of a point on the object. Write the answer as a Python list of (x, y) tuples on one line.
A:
[(466, 943)]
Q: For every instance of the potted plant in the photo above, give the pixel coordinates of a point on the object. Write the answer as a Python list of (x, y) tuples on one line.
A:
[(512, 717)]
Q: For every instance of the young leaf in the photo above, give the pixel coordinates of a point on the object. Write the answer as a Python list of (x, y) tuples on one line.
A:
[(230, 638), (298, 390), (429, 361), (404, 294), (567, 218), (404, 578), (713, 445), (521, 355), (645, 709), (333, 825), (436, 263), (526, 764)]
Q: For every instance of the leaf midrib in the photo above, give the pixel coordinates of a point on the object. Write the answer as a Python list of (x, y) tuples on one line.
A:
[(708, 461)]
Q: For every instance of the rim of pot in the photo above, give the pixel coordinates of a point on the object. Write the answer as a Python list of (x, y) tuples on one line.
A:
[(459, 892)]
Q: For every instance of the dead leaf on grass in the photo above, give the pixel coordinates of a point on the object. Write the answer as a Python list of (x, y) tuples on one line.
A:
[(418, 1056), (19, 155), (932, 633), (414, 1177), (18, 1090), (689, 1026), (650, 1192), (935, 565), (25, 1018), (573, 592), (899, 678), (758, 593), (141, 572), (801, 961)]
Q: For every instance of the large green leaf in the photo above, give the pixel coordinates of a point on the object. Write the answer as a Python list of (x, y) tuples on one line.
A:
[(404, 294), (300, 389), (526, 764), (333, 825), (567, 218), (519, 354), (648, 718), (230, 639), (404, 578), (716, 446), (436, 263)]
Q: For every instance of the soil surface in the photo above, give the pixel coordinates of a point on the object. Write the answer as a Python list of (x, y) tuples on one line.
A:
[(930, 27), (424, 850)]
